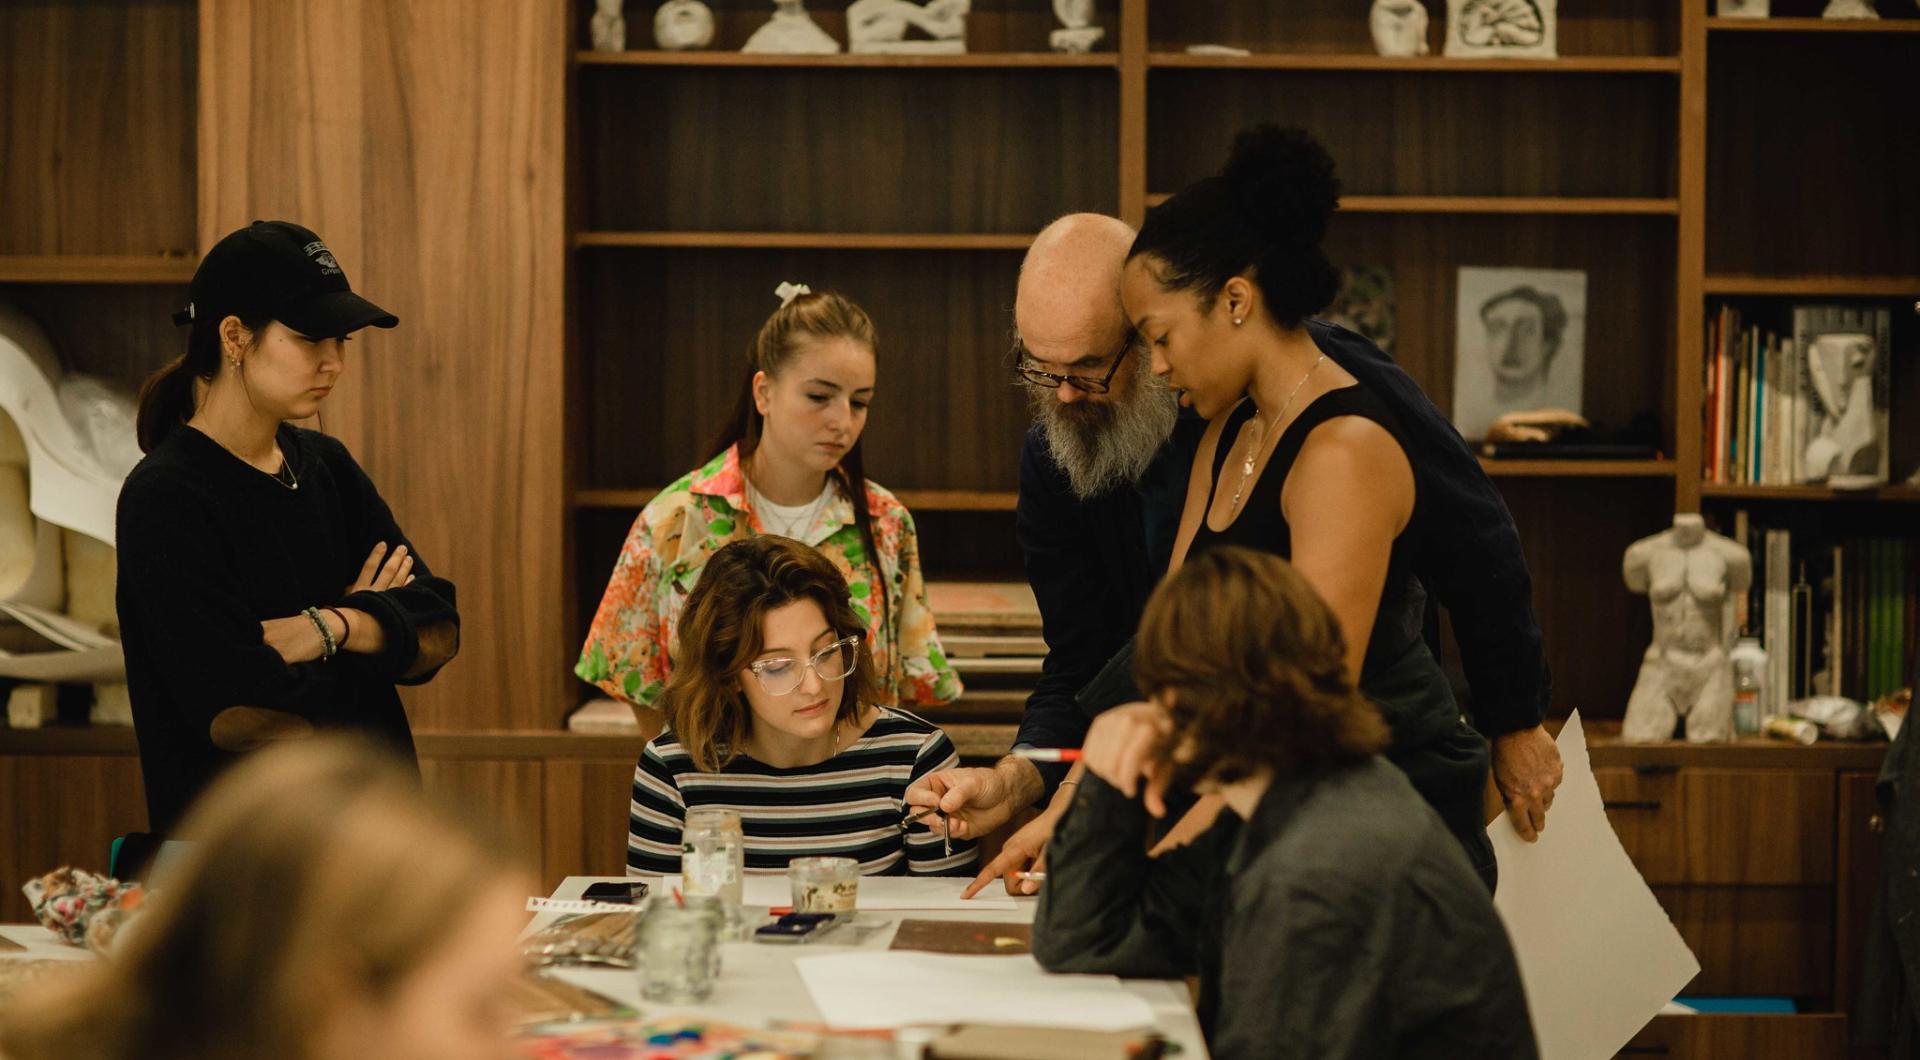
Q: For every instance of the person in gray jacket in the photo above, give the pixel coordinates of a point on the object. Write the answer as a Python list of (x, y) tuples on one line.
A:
[(1331, 914)]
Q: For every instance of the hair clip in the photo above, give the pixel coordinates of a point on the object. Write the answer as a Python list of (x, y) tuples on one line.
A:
[(789, 291)]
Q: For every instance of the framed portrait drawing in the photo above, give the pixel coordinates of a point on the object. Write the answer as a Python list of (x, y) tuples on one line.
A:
[(1502, 29), (1519, 343)]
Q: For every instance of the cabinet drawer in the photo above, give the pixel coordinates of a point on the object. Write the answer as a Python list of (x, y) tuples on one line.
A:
[(1755, 940), (1723, 826), (1818, 1036)]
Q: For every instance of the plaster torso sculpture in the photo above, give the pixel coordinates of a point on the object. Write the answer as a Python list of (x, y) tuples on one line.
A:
[(1079, 34), (1850, 9), (880, 27), (791, 31), (609, 26), (683, 25), (1399, 27), (1689, 573), (1846, 438)]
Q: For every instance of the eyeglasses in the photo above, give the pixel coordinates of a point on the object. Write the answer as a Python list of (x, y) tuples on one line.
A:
[(1032, 375), (782, 674)]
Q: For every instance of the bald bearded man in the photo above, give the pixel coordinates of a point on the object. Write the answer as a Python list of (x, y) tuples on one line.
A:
[(1103, 473)]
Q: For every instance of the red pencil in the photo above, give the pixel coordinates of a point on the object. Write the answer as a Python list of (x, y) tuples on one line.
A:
[(1048, 754)]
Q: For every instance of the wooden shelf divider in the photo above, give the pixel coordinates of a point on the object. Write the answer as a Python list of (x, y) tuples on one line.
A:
[(1816, 25), (1495, 204), (915, 500), (95, 268), (1573, 64), (845, 61), (1892, 493), (1654, 469), (810, 240), (1816, 286)]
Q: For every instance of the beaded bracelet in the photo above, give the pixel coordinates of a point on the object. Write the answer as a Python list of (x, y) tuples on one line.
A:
[(327, 645)]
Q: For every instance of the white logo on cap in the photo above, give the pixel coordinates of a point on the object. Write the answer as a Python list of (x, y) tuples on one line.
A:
[(323, 257)]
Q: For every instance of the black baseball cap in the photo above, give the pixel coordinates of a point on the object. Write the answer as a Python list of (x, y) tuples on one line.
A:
[(280, 270)]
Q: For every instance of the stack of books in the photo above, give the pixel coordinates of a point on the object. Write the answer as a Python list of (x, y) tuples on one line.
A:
[(1838, 615), (1804, 407)]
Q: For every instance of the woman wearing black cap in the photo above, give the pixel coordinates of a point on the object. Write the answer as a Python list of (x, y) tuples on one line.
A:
[(265, 589)]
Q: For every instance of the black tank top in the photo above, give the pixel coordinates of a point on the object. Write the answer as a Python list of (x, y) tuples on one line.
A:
[(1399, 672)]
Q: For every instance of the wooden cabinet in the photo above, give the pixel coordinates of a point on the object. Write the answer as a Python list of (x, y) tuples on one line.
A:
[(1723, 826), (1715, 1037)]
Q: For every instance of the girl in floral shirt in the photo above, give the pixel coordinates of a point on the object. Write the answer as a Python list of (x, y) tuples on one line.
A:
[(788, 463)]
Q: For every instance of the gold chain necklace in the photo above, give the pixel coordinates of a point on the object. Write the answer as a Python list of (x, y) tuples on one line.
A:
[(1258, 432)]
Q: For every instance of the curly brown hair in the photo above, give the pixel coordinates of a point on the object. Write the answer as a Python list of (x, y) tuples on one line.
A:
[(1252, 666), (721, 633)]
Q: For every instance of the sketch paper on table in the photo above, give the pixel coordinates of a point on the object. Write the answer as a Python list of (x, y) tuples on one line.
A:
[(877, 893), (904, 988), (1598, 956)]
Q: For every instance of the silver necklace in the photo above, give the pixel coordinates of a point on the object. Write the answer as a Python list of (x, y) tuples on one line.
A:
[(792, 529), (1257, 434)]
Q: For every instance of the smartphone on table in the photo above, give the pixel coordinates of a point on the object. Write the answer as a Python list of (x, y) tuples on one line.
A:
[(617, 892), (794, 927)]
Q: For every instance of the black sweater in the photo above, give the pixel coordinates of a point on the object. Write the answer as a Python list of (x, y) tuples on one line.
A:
[(210, 547)]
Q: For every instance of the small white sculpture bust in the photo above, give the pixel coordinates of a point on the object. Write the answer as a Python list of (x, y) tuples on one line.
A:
[(880, 27), (609, 26), (1846, 433), (1850, 9), (1742, 8), (1689, 574), (683, 25), (1399, 27), (791, 31), (1080, 34)]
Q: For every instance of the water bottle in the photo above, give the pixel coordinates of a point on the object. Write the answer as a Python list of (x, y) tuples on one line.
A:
[(1749, 662)]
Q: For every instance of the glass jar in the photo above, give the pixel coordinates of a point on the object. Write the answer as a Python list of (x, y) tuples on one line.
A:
[(677, 952), (824, 885), (713, 853)]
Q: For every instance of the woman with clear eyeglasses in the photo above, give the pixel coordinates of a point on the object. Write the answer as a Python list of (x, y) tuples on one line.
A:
[(772, 713)]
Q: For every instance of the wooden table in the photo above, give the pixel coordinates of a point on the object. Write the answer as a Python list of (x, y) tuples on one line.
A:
[(759, 982)]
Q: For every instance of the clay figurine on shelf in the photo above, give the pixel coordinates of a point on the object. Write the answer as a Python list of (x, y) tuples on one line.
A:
[(1079, 34), (791, 31), (1399, 27), (1850, 9), (609, 26), (880, 27), (1690, 574), (683, 25)]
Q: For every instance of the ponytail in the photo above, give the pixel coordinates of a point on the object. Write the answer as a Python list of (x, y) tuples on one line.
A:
[(167, 398)]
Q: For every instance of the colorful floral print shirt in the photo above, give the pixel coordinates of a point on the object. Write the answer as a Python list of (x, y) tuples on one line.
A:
[(628, 648)]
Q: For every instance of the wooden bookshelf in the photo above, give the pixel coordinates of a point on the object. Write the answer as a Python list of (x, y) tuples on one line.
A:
[(95, 268), (1901, 494), (1654, 469), (810, 240), (1813, 25), (1522, 205), (1578, 64), (760, 61), (1815, 286)]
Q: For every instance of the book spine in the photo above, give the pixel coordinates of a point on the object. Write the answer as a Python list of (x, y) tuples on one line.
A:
[(1778, 636)]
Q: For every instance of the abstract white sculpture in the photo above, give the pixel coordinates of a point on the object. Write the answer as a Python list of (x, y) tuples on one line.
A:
[(1502, 29), (1399, 27), (1850, 9), (609, 26), (791, 31), (66, 445), (879, 27), (683, 25), (1079, 34), (1689, 574), (1846, 436)]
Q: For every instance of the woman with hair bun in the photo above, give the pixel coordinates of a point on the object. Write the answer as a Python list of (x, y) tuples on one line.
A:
[(1321, 450)]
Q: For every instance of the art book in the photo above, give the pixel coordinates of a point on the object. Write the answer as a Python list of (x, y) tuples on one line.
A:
[(1845, 382)]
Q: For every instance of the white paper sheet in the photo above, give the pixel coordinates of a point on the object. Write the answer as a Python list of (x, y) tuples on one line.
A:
[(877, 893), (1598, 955), (902, 989)]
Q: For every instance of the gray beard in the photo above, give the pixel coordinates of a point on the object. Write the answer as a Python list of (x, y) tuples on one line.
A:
[(1102, 446)]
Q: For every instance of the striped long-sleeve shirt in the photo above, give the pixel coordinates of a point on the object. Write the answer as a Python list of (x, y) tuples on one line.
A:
[(851, 805)]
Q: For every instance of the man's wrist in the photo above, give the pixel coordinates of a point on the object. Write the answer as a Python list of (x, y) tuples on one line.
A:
[(1022, 778)]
